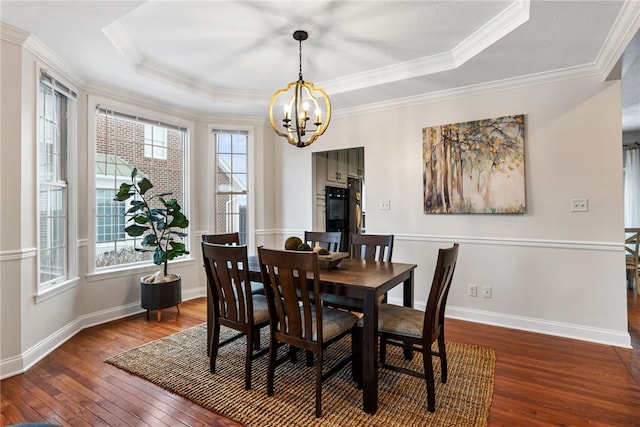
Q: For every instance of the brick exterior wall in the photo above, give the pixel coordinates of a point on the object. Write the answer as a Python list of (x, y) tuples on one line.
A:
[(125, 139)]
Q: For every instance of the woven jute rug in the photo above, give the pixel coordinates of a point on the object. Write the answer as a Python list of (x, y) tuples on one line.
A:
[(179, 363)]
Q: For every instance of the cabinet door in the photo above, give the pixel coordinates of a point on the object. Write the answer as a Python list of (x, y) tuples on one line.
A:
[(356, 162), (321, 173), (343, 166), (337, 167), (332, 166), (321, 219)]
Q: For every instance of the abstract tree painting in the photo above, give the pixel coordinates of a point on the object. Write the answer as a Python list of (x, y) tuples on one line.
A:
[(475, 167)]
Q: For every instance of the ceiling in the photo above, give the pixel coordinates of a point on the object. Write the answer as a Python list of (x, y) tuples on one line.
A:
[(227, 58)]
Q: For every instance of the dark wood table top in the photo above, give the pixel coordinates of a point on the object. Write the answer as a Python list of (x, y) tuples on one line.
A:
[(353, 277)]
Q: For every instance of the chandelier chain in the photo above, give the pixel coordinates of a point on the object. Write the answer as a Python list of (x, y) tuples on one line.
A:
[(300, 59)]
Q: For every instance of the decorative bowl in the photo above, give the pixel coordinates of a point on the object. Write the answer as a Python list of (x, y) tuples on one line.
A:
[(331, 260)]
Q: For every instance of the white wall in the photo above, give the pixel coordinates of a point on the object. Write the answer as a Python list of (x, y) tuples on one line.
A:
[(550, 270)]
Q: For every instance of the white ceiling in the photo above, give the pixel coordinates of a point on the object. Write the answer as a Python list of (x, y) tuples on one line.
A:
[(229, 57)]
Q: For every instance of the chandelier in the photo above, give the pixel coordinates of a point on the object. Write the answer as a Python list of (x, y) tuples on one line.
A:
[(299, 108)]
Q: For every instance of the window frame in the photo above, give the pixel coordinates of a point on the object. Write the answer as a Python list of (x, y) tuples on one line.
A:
[(57, 83), (212, 157), (93, 273)]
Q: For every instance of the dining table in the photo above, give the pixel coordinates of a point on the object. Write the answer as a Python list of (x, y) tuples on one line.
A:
[(367, 280)]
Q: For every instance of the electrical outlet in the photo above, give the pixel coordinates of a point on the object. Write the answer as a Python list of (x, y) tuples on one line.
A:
[(579, 205), (385, 205), (486, 291), (472, 291)]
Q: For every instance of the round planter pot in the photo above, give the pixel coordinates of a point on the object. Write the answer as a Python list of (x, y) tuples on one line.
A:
[(156, 296)]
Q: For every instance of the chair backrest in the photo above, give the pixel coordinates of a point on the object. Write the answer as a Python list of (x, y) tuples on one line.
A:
[(330, 240), (378, 247), (632, 244), (222, 239), (228, 282), (442, 277), (288, 278)]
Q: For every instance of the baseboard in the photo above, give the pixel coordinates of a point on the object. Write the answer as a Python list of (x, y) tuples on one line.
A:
[(20, 364), (565, 330)]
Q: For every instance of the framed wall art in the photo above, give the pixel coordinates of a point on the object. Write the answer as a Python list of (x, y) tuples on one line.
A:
[(475, 167)]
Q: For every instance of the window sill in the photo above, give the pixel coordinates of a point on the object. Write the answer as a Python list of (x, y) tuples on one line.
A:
[(138, 269), (55, 290)]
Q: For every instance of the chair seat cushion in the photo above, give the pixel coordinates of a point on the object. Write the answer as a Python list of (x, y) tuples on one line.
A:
[(334, 322), (260, 309), (397, 319)]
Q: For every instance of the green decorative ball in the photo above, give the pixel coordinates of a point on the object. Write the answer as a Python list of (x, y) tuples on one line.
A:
[(292, 243), (303, 247)]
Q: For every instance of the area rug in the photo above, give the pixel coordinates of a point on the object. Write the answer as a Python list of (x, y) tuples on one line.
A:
[(179, 363)]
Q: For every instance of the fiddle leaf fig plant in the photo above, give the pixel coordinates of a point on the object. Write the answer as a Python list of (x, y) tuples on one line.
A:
[(161, 226)]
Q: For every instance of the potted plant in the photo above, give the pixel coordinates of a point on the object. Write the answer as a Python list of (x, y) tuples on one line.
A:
[(161, 223)]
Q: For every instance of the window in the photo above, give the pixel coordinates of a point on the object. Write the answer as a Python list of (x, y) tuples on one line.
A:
[(124, 142), (231, 182), (110, 217), (53, 137), (155, 142)]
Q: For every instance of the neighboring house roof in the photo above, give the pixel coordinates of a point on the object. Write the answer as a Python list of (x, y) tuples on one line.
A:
[(110, 165)]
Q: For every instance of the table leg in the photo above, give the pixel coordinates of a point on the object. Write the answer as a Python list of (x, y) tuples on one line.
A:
[(370, 353), (407, 301), (209, 318)]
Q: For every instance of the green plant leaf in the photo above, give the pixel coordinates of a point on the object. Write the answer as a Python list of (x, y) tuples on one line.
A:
[(179, 220), (141, 219), (135, 230), (150, 240), (136, 205), (159, 256), (144, 185), (124, 192)]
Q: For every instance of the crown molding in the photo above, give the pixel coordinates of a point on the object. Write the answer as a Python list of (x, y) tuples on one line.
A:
[(626, 26), (12, 34), (516, 14), (125, 45), (179, 80), (477, 89), (41, 52), (513, 16), (119, 38)]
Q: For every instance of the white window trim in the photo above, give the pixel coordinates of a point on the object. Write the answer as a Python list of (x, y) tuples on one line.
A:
[(211, 185), (93, 102), (49, 289)]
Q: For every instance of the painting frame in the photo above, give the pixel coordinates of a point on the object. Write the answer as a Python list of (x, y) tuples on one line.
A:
[(475, 167)]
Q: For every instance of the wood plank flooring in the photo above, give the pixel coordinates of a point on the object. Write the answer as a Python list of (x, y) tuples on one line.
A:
[(540, 380)]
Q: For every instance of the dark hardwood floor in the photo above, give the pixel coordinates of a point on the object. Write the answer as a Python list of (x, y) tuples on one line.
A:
[(540, 380)]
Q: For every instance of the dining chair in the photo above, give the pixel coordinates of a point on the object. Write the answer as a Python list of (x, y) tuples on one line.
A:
[(377, 247), (256, 287), (297, 322), (329, 240), (234, 305), (231, 239), (415, 330), (632, 261)]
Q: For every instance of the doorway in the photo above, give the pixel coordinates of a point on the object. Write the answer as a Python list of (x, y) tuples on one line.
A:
[(339, 180)]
